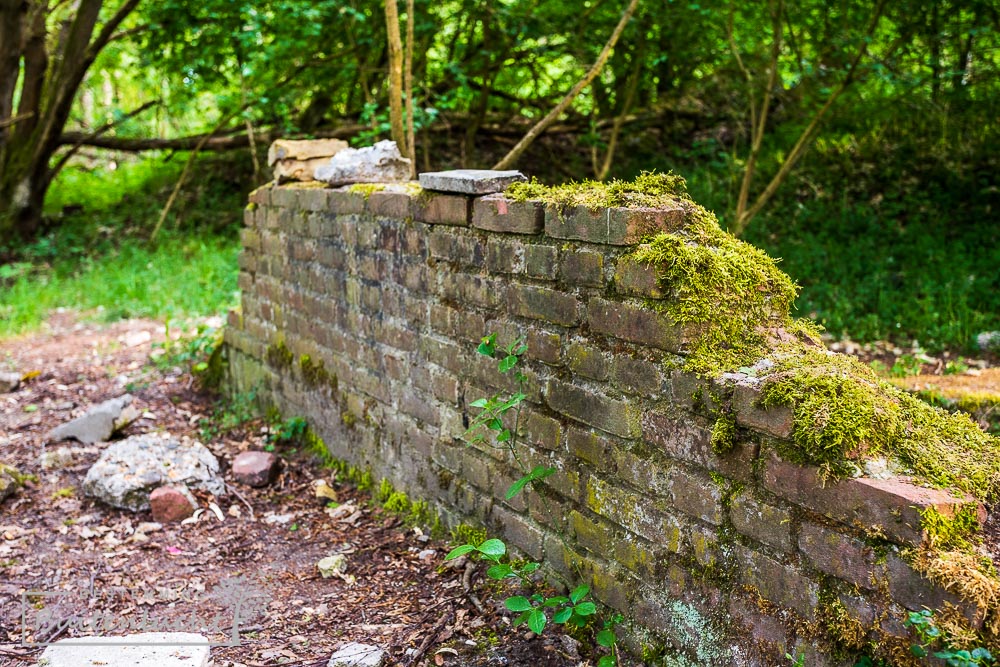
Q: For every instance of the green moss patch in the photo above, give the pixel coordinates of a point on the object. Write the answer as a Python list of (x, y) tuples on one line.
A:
[(843, 412), (648, 190), (734, 292)]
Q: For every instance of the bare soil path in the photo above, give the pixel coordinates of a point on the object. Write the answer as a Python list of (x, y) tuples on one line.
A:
[(111, 567)]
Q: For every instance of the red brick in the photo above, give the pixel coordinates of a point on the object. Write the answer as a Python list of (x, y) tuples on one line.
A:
[(540, 261), (577, 223), (893, 506), (498, 214), (697, 495), (343, 201), (763, 522), (635, 278), (776, 421), (262, 195), (781, 583), (635, 324), (438, 209), (608, 414), (582, 268), (687, 440), (544, 304), (840, 555), (629, 226), (389, 204)]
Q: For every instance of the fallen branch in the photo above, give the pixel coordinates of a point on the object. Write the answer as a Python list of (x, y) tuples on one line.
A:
[(241, 498), (470, 567), (511, 157), (429, 639)]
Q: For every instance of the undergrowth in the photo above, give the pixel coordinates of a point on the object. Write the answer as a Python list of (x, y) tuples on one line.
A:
[(98, 258)]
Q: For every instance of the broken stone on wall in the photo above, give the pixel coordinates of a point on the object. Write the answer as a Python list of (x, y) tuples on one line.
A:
[(297, 160)]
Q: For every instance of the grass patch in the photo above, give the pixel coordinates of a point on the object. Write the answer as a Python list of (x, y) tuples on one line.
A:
[(98, 258)]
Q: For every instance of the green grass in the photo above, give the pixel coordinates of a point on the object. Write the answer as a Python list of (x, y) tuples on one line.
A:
[(99, 259)]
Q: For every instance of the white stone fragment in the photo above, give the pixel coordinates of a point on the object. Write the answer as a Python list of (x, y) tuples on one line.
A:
[(357, 655), (149, 649)]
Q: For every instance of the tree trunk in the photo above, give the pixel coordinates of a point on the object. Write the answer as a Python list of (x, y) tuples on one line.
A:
[(395, 76), (44, 75)]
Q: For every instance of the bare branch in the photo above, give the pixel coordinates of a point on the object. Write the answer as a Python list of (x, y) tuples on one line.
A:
[(551, 117)]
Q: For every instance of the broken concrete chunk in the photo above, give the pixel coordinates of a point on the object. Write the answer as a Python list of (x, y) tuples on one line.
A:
[(99, 422), (381, 163), (149, 649), (9, 381), (470, 181), (128, 471), (303, 149), (354, 654)]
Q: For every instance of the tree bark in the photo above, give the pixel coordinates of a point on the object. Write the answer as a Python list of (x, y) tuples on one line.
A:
[(44, 72), (395, 75)]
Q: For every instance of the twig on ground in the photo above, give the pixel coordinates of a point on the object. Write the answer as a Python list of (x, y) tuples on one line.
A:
[(470, 567), (429, 639), (244, 500)]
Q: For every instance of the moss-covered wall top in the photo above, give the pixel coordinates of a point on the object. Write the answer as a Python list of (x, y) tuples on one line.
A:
[(725, 481)]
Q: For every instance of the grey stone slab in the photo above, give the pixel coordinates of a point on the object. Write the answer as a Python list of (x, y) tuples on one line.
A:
[(99, 422), (149, 649), (470, 181)]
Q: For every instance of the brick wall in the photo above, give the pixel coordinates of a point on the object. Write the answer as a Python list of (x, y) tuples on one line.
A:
[(733, 559)]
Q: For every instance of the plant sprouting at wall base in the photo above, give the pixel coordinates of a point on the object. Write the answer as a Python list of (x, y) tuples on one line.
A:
[(929, 634), (489, 428)]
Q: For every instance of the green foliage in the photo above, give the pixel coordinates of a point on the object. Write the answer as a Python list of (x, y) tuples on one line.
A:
[(230, 413), (536, 611), (291, 431), (905, 366), (98, 259), (723, 434), (929, 635), (195, 352)]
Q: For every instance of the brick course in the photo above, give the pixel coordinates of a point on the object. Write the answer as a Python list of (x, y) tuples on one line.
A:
[(393, 291)]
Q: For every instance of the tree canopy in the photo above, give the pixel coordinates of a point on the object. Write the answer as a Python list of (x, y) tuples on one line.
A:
[(752, 85)]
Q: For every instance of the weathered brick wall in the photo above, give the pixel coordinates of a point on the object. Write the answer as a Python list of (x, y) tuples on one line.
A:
[(731, 559)]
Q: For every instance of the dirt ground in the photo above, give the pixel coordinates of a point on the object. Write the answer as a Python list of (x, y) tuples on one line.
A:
[(111, 567)]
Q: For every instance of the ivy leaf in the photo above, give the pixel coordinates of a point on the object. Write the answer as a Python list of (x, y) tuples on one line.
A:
[(459, 551), (494, 548), (537, 473), (562, 616), (507, 363), (536, 621), (499, 572), (488, 345), (517, 603), (579, 593)]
